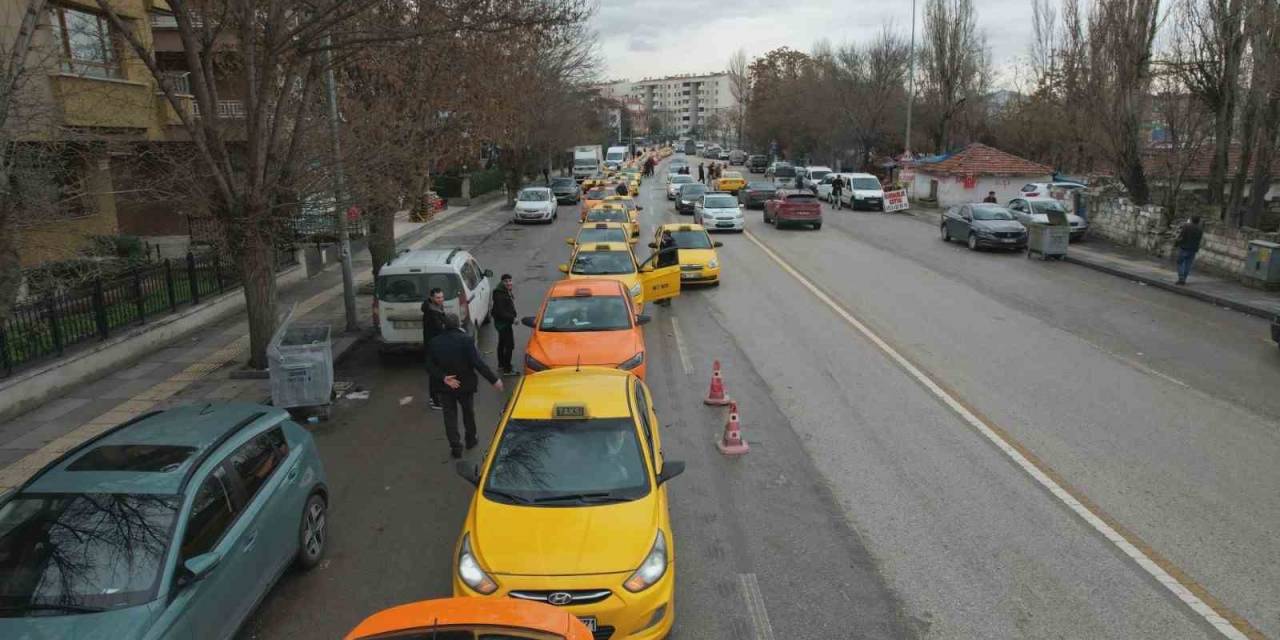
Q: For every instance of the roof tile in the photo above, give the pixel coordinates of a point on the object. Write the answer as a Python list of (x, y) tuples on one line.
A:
[(979, 159)]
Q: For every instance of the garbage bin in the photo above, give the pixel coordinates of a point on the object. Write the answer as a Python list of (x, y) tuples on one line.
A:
[(1049, 239), (300, 359)]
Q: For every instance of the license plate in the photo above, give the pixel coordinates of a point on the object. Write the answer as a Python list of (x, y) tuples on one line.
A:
[(724, 224), (590, 621), (1006, 239), (689, 275), (406, 324)]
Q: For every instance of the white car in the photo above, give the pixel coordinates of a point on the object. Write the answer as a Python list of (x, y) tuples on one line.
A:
[(814, 175), (1056, 189), (719, 211), (535, 204), (402, 286), (862, 190), (1027, 210), (674, 181)]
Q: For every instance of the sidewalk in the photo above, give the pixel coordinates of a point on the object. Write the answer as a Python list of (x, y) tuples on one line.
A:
[(1107, 257), (197, 368)]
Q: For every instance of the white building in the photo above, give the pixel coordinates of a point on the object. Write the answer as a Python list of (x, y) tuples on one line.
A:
[(971, 174), (682, 102)]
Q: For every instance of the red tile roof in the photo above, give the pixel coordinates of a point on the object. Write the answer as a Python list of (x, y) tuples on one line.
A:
[(1160, 162), (980, 160)]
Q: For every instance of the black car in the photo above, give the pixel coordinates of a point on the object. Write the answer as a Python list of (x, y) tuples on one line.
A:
[(689, 197), (757, 163), (754, 195), (984, 226), (567, 190)]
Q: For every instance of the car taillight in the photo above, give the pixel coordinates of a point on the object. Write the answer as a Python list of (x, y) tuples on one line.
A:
[(377, 315), (1033, 194)]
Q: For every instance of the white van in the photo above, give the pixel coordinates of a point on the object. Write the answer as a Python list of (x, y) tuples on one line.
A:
[(403, 284), (614, 157), (863, 190)]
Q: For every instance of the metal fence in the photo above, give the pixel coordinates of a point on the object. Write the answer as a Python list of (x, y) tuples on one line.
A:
[(46, 328)]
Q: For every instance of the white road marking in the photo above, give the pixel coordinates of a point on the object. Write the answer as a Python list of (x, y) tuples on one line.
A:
[(755, 606), (1211, 615), (684, 355)]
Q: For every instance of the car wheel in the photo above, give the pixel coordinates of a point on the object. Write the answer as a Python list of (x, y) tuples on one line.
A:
[(946, 237), (817, 225), (973, 242), (313, 533)]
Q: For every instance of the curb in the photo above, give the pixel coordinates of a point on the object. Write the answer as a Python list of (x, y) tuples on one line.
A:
[(1169, 286)]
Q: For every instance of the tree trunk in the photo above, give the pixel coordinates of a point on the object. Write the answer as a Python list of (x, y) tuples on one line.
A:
[(10, 264), (382, 235), (1268, 139), (255, 252), (1222, 129), (1231, 209)]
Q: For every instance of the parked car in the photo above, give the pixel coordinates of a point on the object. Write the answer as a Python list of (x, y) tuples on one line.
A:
[(689, 196), (1028, 210), (567, 190), (719, 211), (674, 180), (402, 286), (737, 156), (863, 191), (757, 163), (981, 226), (823, 188), (1042, 189), (793, 206), (175, 524), (814, 175), (755, 194), (535, 204), (783, 175)]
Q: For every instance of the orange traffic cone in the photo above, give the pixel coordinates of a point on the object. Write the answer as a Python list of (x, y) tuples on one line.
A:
[(715, 396), (732, 444)]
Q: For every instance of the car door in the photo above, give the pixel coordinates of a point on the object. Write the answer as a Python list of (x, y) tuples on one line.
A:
[(963, 222), (484, 288), (272, 511), (649, 425), (659, 283)]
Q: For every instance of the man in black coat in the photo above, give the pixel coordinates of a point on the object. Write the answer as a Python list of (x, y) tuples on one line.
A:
[(432, 326), (453, 362), (504, 318), (668, 255)]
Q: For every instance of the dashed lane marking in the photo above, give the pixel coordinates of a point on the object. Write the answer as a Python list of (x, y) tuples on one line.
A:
[(684, 355), (1226, 622), (755, 606)]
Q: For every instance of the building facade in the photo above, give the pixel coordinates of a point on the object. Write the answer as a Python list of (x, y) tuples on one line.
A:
[(682, 103)]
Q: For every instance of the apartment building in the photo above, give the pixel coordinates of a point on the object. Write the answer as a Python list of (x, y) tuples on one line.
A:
[(686, 101)]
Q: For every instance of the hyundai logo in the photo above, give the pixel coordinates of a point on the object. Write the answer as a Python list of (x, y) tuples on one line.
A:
[(560, 598)]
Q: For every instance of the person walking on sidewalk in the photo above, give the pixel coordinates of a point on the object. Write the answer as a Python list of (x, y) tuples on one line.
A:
[(432, 326), (504, 318), (1187, 242), (837, 192), (453, 361)]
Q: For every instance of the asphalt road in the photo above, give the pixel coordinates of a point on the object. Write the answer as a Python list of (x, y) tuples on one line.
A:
[(867, 507)]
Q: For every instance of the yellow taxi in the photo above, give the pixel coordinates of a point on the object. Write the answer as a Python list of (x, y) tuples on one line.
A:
[(645, 282), (699, 263), (610, 212), (633, 174), (601, 232), (731, 181), (593, 197), (633, 210), (570, 506)]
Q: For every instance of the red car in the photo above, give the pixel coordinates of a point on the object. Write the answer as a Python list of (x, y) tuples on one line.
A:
[(793, 207)]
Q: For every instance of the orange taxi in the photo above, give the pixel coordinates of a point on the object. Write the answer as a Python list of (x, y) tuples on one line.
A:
[(615, 212), (586, 321), (593, 198), (472, 617), (633, 210)]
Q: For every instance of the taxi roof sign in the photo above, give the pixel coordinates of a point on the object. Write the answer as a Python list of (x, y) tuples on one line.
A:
[(569, 410)]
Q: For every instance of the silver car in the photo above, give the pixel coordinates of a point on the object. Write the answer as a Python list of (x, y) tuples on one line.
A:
[(1037, 210)]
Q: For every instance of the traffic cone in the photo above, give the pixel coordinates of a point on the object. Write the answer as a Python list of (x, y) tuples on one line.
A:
[(715, 396), (732, 444)]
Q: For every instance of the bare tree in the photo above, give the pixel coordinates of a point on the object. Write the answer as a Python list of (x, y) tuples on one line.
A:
[(1264, 96), (954, 62), (1188, 128), (740, 86)]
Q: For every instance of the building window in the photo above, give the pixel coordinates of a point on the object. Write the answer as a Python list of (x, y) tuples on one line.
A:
[(86, 43)]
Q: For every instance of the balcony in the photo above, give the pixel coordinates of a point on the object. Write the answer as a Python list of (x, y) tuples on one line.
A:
[(177, 81), (227, 110)]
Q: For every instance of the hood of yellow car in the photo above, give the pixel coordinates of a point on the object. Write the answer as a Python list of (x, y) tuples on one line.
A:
[(696, 256), (549, 541)]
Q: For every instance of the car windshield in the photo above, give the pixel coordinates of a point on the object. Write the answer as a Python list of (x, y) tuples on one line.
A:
[(562, 182), (597, 193), (681, 179), (586, 313), (534, 195), (719, 202), (691, 239), (608, 215), (603, 263), (866, 184), (731, 175), (690, 191), (567, 462), (785, 171), (585, 162), (1046, 206), (818, 174), (610, 234), (614, 156), (991, 213), (67, 553), (413, 287)]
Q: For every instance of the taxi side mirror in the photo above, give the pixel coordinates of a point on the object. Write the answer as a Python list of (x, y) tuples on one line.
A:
[(529, 321), (564, 268), (470, 471), (717, 243), (642, 320), (670, 469), (570, 241)]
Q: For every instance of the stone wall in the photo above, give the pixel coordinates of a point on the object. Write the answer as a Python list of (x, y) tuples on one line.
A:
[(1223, 249)]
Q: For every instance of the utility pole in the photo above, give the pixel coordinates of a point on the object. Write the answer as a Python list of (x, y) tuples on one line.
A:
[(340, 192), (911, 90)]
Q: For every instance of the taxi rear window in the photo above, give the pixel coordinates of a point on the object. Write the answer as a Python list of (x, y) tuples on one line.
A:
[(413, 287)]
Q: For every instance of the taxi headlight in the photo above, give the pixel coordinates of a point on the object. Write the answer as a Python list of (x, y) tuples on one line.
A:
[(469, 570), (713, 263), (652, 569), (635, 290), (632, 362)]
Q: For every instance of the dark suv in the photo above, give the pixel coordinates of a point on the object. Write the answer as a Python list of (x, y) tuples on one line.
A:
[(757, 163)]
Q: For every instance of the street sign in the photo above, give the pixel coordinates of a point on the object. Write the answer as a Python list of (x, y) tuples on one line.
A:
[(895, 201)]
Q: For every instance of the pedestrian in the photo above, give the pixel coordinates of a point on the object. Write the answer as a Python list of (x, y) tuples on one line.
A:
[(668, 255), (504, 319), (621, 189), (453, 361), (701, 176), (837, 192), (991, 198), (1187, 242), (432, 326), (546, 176)]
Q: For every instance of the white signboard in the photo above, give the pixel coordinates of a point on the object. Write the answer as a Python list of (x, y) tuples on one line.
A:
[(895, 201)]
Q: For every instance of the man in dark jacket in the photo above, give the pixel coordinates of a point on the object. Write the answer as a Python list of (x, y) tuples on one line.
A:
[(453, 361), (622, 189), (1187, 244), (702, 173), (432, 326), (837, 192), (991, 198), (504, 318), (668, 255)]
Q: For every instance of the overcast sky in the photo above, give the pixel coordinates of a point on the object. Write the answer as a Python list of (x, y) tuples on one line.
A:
[(640, 38)]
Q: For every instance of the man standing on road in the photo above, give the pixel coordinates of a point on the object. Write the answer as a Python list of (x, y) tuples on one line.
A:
[(668, 255), (621, 189), (837, 192), (504, 318), (1187, 243), (432, 326), (991, 198), (702, 177), (453, 361)]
